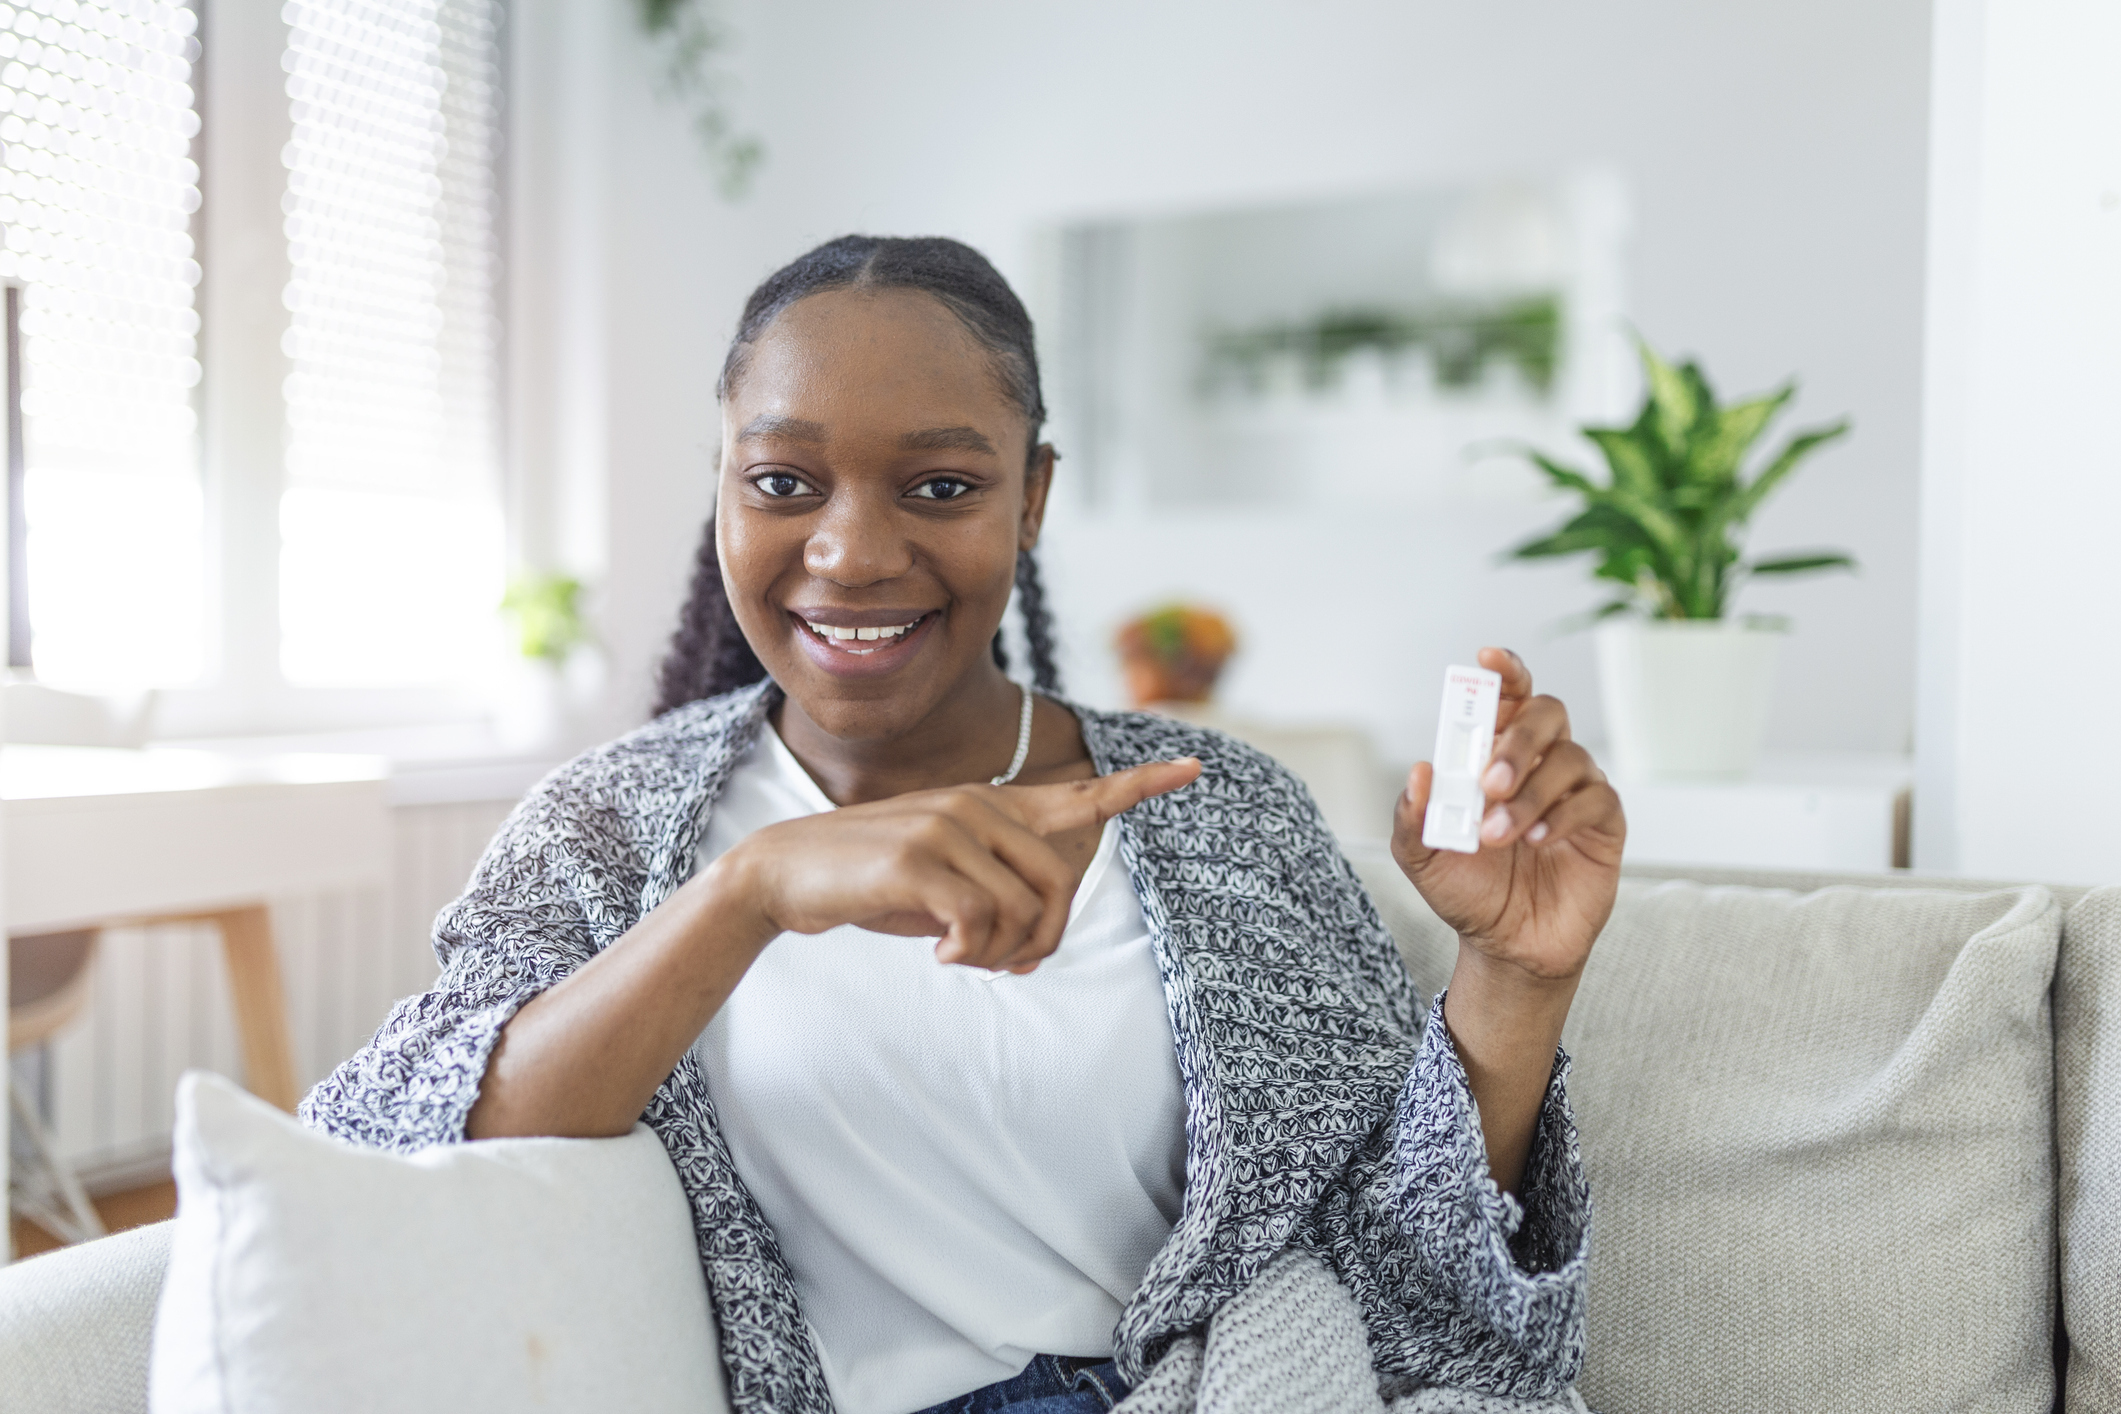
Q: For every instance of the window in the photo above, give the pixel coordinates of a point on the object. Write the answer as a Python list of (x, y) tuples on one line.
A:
[(347, 532), (390, 534), (96, 195)]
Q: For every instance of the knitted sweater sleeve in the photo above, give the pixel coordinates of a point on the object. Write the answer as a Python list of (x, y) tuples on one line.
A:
[(1514, 1270), (537, 907), (1462, 1285)]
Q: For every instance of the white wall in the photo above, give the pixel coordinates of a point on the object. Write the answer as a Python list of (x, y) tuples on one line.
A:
[(2021, 664), (1775, 155)]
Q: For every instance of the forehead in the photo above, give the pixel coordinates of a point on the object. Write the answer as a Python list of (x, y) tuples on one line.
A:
[(845, 358)]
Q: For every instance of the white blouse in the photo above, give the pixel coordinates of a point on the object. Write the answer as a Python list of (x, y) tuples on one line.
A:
[(964, 1169)]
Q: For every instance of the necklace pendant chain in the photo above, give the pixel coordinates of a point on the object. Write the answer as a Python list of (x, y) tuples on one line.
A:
[(1023, 740)]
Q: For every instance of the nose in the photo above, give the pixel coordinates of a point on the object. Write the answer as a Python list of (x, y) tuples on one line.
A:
[(855, 544)]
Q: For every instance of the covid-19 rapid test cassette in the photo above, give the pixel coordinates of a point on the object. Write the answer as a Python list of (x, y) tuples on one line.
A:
[(1465, 735)]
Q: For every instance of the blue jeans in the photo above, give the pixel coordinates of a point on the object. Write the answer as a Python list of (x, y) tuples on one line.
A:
[(1050, 1384)]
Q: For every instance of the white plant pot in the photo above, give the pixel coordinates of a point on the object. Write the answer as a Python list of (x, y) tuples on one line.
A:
[(531, 711), (1686, 699)]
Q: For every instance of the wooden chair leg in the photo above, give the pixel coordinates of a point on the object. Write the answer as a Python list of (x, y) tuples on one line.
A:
[(261, 1004)]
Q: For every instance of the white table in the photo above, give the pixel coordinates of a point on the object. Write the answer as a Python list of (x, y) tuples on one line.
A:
[(1829, 811), (98, 837)]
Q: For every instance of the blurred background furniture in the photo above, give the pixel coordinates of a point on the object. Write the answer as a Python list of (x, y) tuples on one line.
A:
[(102, 837), (1843, 811), (47, 987), (1335, 760)]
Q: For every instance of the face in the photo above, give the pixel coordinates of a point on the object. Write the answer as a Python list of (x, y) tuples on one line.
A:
[(874, 495)]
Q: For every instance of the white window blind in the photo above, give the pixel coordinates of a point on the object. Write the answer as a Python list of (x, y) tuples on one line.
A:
[(390, 528), (96, 193)]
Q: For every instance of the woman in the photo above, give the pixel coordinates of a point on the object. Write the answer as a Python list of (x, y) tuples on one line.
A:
[(991, 1093)]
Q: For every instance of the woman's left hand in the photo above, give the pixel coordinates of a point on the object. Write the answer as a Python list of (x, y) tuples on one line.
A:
[(1539, 891)]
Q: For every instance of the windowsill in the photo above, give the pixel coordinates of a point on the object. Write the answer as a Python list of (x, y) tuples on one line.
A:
[(434, 763), (441, 744)]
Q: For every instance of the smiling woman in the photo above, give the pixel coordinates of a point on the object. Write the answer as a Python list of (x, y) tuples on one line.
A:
[(997, 1094)]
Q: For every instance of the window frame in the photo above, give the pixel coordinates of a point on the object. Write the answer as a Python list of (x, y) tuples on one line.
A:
[(244, 124)]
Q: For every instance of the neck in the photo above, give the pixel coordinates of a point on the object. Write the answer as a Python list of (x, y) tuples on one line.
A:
[(966, 738)]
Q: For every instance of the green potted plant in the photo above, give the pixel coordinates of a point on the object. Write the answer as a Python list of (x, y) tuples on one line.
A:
[(1685, 683)]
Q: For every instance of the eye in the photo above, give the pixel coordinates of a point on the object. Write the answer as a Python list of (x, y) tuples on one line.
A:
[(941, 488), (779, 485)]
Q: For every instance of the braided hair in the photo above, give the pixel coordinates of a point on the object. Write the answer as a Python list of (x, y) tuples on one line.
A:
[(708, 654)]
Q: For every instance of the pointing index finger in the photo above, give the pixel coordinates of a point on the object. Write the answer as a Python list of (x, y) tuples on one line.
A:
[(1078, 805)]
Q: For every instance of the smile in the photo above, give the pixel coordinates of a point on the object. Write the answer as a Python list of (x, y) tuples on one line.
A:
[(843, 639)]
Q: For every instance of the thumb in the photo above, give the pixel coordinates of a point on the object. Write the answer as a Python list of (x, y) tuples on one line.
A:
[(1079, 805)]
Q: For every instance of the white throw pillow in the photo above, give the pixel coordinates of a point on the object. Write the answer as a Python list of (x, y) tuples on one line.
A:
[(311, 1277)]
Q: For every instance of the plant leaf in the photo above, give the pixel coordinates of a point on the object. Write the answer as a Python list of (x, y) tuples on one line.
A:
[(1560, 475), (1656, 522), (1599, 528), (1626, 565), (1634, 466), (1719, 447), (1801, 446), (1698, 383), (1803, 564), (1671, 398)]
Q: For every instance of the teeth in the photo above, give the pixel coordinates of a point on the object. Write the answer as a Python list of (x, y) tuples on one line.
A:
[(857, 634), (837, 634)]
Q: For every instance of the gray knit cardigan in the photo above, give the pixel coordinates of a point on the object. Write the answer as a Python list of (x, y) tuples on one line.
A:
[(1322, 1113)]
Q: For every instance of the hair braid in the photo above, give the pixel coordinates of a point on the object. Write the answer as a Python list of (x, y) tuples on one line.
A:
[(1038, 627), (708, 654), (1038, 624)]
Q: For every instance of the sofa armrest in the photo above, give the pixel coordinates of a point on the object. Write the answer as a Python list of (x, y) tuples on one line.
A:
[(76, 1324)]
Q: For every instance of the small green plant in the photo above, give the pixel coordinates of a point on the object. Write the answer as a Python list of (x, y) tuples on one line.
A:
[(1463, 338), (547, 609), (693, 38), (1668, 524)]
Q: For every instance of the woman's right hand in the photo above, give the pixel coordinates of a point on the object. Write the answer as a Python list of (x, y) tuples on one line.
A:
[(970, 866), (973, 866)]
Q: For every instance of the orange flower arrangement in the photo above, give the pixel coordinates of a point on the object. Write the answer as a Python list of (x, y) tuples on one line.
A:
[(1175, 653)]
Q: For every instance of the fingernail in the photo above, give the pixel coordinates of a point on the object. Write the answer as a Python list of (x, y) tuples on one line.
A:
[(1537, 833), (949, 952), (1496, 825), (1497, 780)]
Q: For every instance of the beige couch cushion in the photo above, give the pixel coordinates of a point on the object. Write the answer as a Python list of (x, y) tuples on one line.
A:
[(2088, 1139), (1818, 1128), (74, 1325)]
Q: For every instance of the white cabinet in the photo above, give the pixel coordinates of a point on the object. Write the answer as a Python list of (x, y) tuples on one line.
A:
[(1833, 811)]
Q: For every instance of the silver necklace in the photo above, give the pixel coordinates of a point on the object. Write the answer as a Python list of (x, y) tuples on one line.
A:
[(1023, 741)]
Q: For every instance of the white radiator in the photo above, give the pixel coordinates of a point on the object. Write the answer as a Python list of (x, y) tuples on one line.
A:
[(161, 1001)]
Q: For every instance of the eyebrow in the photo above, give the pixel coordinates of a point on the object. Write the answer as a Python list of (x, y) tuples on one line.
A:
[(795, 429), (946, 439)]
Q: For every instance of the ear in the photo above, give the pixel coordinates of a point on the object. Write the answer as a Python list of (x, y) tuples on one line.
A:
[(1038, 481)]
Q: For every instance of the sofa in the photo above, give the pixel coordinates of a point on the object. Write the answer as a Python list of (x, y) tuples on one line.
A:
[(1854, 1144)]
